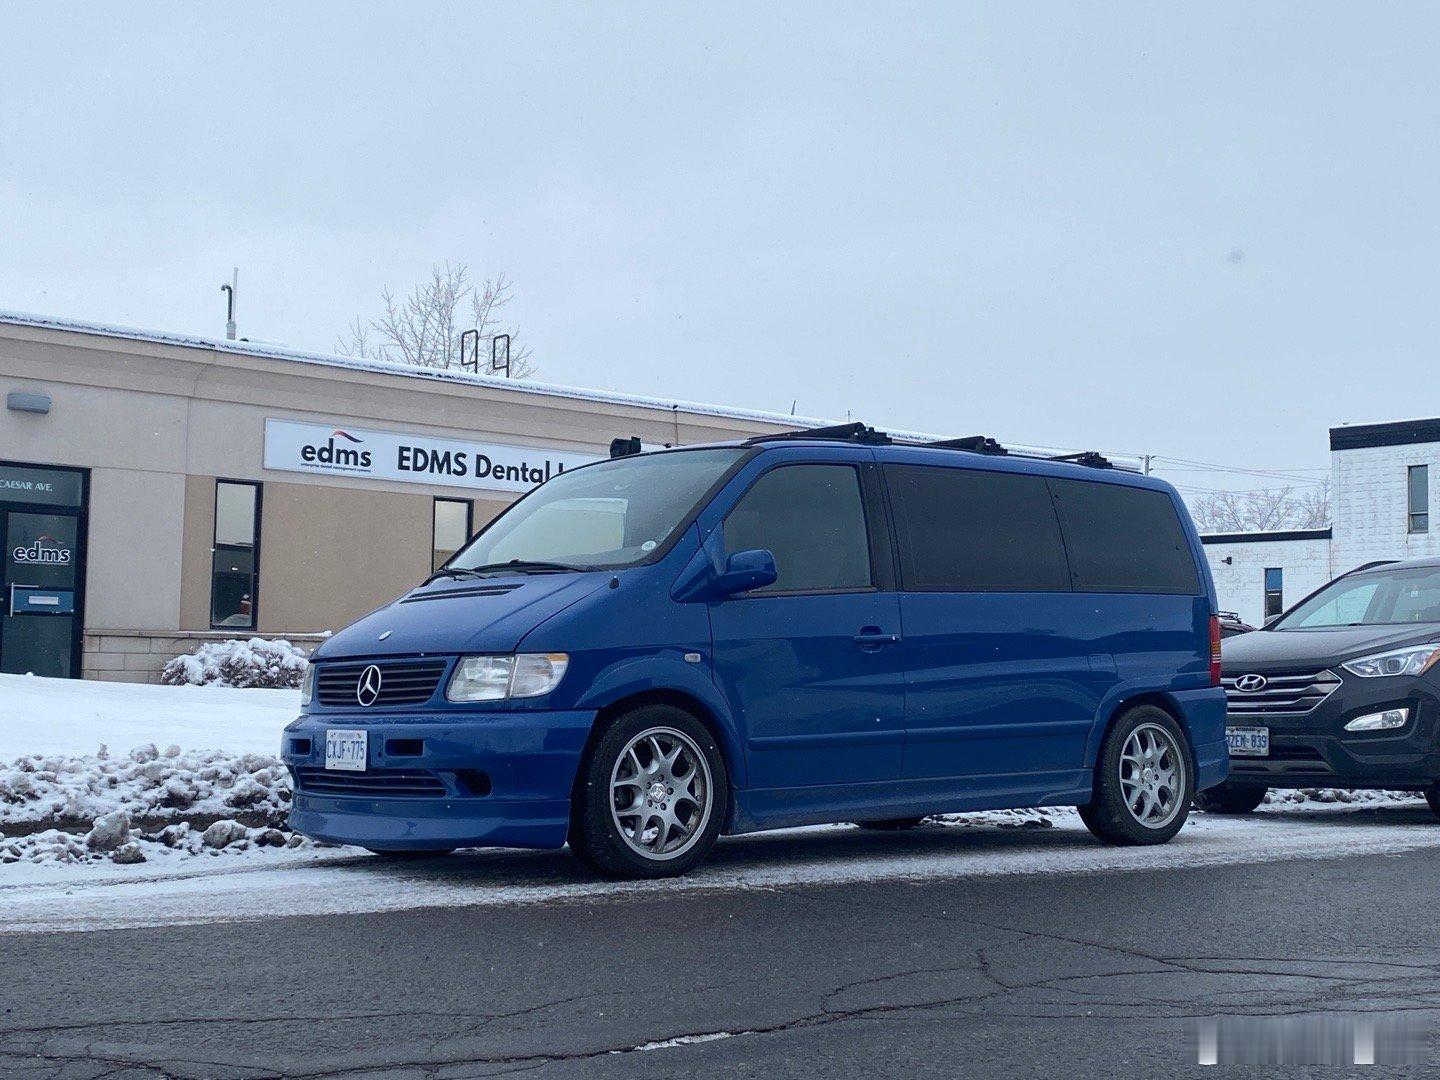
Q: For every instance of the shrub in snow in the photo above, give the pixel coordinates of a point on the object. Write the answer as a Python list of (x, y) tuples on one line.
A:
[(256, 662)]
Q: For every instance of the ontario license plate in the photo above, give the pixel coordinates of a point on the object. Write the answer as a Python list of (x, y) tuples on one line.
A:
[(1248, 741), (345, 749)]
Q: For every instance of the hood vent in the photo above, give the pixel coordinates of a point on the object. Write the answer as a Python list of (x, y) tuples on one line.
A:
[(455, 594)]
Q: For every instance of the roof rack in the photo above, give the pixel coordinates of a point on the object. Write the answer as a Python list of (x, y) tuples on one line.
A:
[(856, 432), (984, 444)]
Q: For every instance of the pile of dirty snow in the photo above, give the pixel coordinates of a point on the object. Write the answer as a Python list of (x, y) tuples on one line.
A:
[(112, 839), (147, 784)]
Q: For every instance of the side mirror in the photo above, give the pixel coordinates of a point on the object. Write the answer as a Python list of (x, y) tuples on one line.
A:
[(745, 570)]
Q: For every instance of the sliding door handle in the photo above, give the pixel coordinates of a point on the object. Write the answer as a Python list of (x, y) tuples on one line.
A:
[(870, 637)]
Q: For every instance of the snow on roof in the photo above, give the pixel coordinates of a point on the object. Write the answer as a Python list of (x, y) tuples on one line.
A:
[(391, 367)]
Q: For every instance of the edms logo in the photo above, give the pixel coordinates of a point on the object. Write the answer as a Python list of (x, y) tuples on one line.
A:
[(341, 456), (38, 553)]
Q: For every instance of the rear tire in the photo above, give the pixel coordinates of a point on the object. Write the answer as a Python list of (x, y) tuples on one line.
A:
[(890, 824), (651, 797), (1143, 780), (1432, 796), (1230, 798)]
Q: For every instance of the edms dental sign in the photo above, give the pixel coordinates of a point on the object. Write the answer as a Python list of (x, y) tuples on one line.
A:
[(343, 450)]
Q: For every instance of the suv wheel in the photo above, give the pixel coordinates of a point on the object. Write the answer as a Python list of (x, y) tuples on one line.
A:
[(651, 797), (1432, 796), (1143, 780), (1230, 798)]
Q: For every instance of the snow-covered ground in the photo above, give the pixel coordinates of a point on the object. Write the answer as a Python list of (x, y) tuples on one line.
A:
[(275, 883), (74, 716)]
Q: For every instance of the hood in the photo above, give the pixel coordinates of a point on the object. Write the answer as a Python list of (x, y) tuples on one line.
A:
[(1262, 649), (488, 614)]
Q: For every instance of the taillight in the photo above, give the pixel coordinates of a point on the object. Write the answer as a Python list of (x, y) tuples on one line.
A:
[(1214, 650)]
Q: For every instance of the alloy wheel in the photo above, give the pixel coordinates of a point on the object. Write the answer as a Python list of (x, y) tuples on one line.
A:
[(1152, 776), (661, 793)]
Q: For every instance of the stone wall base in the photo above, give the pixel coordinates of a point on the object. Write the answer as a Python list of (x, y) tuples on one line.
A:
[(139, 656)]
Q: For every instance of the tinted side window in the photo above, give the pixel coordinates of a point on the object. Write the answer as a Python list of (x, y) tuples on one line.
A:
[(1123, 539), (812, 519), (965, 530)]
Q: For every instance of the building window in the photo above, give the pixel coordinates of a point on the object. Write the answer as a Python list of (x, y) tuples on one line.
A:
[(235, 558), (1274, 591), (1419, 489), (450, 530)]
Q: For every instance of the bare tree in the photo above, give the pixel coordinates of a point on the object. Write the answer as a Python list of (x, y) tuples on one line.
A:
[(1263, 510), (424, 327)]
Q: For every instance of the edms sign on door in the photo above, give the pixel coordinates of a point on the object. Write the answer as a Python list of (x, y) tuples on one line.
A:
[(646, 652)]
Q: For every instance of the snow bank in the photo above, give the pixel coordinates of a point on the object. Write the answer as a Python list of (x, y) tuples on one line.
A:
[(72, 716), (253, 663), (145, 784), (112, 840)]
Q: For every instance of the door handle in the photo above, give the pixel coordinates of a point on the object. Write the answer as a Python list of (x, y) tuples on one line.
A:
[(871, 637)]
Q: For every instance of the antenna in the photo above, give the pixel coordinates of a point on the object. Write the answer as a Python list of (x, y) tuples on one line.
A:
[(230, 291)]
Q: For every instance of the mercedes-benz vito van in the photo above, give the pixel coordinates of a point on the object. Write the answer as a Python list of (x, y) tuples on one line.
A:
[(650, 651)]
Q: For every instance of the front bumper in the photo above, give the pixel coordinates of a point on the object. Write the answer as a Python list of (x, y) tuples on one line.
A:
[(439, 780), (1313, 749)]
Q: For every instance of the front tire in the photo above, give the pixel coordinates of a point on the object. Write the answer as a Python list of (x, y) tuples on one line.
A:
[(1143, 781), (1230, 798), (652, 796)]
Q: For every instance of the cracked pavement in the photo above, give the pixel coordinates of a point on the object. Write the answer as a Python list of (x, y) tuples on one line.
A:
[(1023, 975)]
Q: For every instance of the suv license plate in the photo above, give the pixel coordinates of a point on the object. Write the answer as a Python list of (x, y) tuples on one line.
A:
[(1248, 741), (345, 749)]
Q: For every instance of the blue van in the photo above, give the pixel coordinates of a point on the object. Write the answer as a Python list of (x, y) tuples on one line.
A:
[(823, 626)]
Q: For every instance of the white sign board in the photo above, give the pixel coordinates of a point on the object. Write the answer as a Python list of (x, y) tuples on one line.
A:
[(343, 450)]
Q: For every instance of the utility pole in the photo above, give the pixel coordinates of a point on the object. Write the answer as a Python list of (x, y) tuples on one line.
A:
[(1145, 463), (229, 290)]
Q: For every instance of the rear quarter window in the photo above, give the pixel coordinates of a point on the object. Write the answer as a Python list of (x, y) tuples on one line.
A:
[(966, 530), (1123, 539)]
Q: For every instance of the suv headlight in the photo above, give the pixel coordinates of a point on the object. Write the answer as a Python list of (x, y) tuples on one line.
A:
[(496, 678), (1411, 660), (307, 685)]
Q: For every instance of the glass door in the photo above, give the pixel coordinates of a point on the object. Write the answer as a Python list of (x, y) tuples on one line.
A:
[(39, 575)]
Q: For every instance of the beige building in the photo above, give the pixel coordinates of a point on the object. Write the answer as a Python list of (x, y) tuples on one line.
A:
[(157, 491)]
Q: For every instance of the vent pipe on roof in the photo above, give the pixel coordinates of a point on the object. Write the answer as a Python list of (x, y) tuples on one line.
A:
[(229, 290)]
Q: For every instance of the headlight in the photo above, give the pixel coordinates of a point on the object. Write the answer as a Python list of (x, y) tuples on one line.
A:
[(1411, 660), (1388, 720), (307, 685), (495, 678)]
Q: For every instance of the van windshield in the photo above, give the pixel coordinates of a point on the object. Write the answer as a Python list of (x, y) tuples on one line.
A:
[(602, 517), (1376, 598)]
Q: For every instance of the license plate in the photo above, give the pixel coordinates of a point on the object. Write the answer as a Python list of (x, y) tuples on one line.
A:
[(345, 749), (1248, 741)]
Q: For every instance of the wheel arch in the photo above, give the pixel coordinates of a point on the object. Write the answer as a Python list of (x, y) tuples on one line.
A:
[(1158, 698)]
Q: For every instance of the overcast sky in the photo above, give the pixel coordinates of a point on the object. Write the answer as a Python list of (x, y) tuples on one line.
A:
[(1203, 231)]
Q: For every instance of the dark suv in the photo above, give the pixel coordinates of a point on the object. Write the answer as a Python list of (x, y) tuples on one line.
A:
[(1343, 690)]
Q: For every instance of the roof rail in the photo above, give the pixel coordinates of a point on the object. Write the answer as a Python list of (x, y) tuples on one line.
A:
[(976, 444), (1092, 458), (856, 432)]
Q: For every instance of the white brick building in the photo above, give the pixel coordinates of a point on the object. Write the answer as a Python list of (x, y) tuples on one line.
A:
[(1380, 477)]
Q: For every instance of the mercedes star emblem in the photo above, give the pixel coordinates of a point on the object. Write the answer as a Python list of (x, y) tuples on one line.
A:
[(367, 690)]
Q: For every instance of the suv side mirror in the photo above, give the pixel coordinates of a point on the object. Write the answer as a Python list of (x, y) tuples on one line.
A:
[(745, 570)]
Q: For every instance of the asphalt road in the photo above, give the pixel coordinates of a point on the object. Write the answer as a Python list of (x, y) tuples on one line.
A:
[(1044, 975)]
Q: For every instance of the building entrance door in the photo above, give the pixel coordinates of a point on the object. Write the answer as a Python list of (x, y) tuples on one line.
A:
[(41, 575)]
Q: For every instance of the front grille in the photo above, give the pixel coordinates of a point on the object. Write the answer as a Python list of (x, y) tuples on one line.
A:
[(402, 682), (380, 782), (1282, 695)]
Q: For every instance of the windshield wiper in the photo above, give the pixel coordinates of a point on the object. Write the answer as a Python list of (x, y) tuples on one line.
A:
[(528, 566), (451, 572)]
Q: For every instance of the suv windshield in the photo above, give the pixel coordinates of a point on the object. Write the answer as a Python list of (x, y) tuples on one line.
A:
[(603, 516), (1375, 598)]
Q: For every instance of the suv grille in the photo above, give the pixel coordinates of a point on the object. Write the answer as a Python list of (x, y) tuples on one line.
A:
[(401, 682), (409, 782), (1282, 695)]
